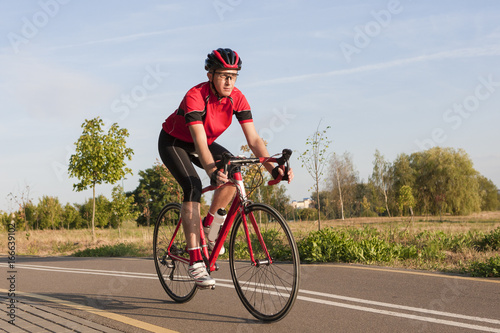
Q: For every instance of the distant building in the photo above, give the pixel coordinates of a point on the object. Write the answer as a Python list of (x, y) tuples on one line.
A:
[(306, 203)]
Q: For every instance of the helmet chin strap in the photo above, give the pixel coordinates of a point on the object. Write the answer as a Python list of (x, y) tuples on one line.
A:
[(213, 85)]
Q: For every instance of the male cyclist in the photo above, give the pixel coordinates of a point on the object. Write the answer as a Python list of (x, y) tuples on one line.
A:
[(188, 137)]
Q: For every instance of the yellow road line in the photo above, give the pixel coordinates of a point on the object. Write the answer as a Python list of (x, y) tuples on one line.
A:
[(392, 270), (99, 312)]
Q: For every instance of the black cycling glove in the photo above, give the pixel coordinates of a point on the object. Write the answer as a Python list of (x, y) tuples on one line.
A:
[(213, 178), (275, 173)]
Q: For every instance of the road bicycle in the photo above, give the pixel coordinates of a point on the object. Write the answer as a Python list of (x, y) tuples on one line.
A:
[(263, 256)]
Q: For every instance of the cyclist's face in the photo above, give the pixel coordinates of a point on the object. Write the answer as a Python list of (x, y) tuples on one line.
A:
[(223, 80)]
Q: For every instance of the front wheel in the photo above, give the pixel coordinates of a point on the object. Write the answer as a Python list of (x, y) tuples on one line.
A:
[(267, 284), (173, 274)]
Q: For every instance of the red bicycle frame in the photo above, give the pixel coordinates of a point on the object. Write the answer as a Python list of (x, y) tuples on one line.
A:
[(237, 206)]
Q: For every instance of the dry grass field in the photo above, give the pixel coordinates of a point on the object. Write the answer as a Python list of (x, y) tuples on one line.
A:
[(479, 221), (66, 242)]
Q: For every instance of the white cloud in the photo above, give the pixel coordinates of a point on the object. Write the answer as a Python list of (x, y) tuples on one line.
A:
[(491, 50)]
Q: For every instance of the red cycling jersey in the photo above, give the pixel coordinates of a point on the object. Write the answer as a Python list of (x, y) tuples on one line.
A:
[(201, 106)]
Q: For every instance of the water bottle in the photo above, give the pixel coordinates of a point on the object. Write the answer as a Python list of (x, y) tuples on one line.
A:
[(217, 223)]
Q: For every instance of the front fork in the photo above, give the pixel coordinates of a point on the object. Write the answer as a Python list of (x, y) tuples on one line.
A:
[(242, 207), (253, 221)]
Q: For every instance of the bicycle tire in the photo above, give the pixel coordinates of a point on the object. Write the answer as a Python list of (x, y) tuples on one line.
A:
[(173, 274), (267, 290)]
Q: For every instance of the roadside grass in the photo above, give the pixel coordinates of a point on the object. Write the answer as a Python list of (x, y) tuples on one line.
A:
[(117, 250), (130, 240), (466, 245), (471, 252)]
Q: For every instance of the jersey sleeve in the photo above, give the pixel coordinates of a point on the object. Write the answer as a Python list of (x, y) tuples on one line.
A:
[(242, 110), (193, 107)]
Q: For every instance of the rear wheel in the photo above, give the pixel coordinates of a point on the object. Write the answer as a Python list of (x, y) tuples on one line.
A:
[(267, 286), (173, 274)]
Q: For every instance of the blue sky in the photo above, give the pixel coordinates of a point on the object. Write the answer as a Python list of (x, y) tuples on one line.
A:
[(397, 76)]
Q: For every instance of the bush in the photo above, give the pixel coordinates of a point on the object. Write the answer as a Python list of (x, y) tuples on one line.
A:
[(433, 244), (490, 241), (323, 246), (369, 245), (490, 268), (350, 245), (307, 214)]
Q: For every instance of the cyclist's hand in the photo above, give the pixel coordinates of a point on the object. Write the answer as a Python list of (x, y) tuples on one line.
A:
[(287, 174), (218, 178), (290, 175)]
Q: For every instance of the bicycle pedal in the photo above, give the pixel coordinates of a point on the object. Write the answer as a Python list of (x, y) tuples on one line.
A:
[(206, 288)]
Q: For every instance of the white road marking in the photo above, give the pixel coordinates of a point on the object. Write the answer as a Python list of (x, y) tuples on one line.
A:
[(308, 299), (403, 307), (402, 315)]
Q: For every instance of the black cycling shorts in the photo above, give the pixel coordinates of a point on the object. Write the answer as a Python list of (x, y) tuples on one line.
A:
[(179, 157)]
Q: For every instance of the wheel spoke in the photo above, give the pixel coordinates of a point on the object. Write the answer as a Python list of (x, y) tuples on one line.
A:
[(173, 274), (267, 290)]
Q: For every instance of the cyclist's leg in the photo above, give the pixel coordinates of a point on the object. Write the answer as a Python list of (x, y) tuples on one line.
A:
[(221, 198), (190, 214), (175, 155)]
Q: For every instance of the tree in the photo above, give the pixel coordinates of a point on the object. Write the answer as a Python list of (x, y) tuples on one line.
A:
[(71, 217), (366, 207), (156, 188), (50, 213), (498, 200), (5, 220), (121, 207), (406, 199), (314, 158), (326, 202), (99, 158), (306, 214), (489, 194), (31, 216), (26, 208), (445, 182), (343, 178), (402, 172), (363, 201), (99, 209), (381, 177)]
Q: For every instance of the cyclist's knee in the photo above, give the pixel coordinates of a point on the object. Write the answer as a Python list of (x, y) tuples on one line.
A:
[(191, 186), (192, 194), (190, 207)]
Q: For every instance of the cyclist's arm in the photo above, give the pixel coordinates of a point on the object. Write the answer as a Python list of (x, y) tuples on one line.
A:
[(201, 144), (258, 148), (255, 143)]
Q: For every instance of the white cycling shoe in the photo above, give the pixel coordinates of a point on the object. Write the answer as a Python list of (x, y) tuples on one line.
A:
[(198, 272)]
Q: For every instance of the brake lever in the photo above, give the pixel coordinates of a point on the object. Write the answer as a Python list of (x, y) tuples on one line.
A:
[(222, 166), (285, 157)]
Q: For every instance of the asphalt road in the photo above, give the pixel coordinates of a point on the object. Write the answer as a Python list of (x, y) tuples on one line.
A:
[(125, 294)]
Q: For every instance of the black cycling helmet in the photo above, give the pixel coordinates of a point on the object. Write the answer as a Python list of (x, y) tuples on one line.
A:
[(222, 58)]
